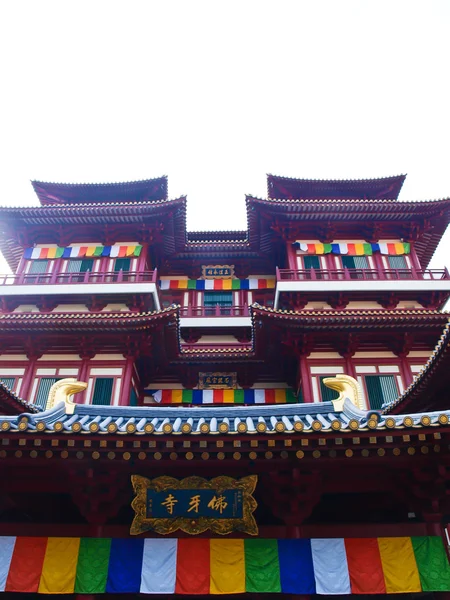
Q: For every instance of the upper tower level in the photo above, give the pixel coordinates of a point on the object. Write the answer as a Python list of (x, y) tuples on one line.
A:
[(288, 188), (146, 190), (352, 241), (346, 258)]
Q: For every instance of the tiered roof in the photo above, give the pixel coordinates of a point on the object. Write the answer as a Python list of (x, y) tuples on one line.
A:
[(297, 204), (290, 188), (347, 214), (146, 190)]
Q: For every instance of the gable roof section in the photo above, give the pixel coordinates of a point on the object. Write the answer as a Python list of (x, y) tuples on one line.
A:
[(263, 214), (171, 212), (145, 190), (378, 188)]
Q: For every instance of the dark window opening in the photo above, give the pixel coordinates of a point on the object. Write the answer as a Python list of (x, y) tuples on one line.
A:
[(326, 393), (122, 264), (133, 397), (102, 391), (43, 390), (82, 265), (218, 302), (38, 267), (381, 389), (355, 262)]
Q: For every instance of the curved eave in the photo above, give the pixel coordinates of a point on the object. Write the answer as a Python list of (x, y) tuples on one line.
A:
[(69, 193), (110, 212), (173, 212), (291, 187), (352, 209), (11, 404), (310, 211), (94, 322), (315, 320), (430, 387)]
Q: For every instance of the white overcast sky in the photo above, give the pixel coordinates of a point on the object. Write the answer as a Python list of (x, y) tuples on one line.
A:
[(217, 94)]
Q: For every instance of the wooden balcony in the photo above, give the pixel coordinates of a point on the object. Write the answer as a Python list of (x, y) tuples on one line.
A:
[(138, 290), (89, 277), (295, 288), (219, 318), (361, 274), (214, 311)]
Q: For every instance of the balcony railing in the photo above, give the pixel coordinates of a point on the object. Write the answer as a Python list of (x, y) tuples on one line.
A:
[(360, 274), (77, 278), (215, 311)]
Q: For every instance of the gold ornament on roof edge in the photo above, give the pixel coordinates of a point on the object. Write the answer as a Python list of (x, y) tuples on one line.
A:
[(62, 391), (347, 387)]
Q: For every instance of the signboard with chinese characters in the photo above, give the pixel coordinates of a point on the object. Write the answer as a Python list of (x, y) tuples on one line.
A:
[(194, 505), (217, 381), (218, 271)]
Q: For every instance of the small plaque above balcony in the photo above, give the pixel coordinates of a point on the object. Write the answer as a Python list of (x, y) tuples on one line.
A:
[(217, 271), (217, 381)]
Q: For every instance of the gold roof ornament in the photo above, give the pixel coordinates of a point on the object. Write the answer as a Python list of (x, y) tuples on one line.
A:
[(62, 391), (347, 387)]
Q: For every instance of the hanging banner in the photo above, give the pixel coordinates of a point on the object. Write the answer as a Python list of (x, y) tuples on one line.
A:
[(217, 284), (194, 505), (193, 566), (115, 251), (358, 249), (224, 396)]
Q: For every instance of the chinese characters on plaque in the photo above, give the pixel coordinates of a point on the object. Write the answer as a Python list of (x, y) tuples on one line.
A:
[(217, 381), (218, 271), (174, 503), (194, 505)]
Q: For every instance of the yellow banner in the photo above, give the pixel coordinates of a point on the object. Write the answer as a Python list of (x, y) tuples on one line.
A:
[(60, 566), (399, 565), (227, 564)]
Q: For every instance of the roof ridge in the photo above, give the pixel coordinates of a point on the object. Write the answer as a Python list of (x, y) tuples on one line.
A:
[(358, 180), (98, 184)]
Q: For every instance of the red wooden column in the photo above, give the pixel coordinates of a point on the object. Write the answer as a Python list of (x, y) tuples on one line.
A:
[(405, 371), (83, 374), (141, 263), (379, 264), (127, 377), (291, 256), (28, 379), (305, 378), (414, 260)]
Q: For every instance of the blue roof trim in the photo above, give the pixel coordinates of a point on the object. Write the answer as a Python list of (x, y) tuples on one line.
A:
[(218, 419)]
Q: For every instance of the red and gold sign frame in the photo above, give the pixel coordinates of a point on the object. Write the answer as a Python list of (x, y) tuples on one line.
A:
[(199, 524)]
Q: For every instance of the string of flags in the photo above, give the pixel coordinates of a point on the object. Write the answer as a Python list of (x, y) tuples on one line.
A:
[(272, 396), (223, 566), (217, 284), (365, 249), (115, 251)]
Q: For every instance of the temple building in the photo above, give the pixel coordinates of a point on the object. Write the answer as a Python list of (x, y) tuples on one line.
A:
[(222, 412)]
